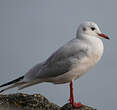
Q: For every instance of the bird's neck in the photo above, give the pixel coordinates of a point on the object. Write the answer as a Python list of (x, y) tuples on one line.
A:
[(94, 44)]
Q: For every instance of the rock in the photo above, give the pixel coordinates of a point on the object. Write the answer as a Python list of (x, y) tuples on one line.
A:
[(20, 101), (69, 107)]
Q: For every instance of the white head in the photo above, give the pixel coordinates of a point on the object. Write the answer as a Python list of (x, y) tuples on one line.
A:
[(91, 29)]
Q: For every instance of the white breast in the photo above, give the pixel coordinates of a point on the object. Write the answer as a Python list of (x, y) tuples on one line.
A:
[(95, 51)]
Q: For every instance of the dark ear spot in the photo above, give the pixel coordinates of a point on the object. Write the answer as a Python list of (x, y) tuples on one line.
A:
[(92, 28), (84, 29)]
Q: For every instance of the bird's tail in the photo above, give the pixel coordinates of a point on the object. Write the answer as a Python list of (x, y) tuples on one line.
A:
[(13, 83), (19, 83)]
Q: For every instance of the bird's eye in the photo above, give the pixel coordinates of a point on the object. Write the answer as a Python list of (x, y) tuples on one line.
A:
[(92, 28), (84, 29)]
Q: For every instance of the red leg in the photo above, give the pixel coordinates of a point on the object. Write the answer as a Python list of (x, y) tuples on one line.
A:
[(71, 93), (76, 105)]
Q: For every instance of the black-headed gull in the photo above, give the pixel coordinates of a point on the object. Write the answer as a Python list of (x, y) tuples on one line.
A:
[(68, 63)]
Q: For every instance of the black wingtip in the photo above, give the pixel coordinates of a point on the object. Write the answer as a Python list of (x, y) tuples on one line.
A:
[(11, 82), (2, 91)]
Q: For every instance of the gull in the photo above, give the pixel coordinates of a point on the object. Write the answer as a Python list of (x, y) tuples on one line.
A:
[(68, 63)]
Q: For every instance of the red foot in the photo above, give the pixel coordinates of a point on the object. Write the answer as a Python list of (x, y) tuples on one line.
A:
[(77, 105)]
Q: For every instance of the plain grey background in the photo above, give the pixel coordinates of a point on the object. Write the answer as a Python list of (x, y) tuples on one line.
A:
[(30, 30)]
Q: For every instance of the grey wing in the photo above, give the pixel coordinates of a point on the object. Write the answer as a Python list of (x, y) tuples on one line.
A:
[(59, 62), (62, 60), (54, 70), (32, 73), (42, 70)]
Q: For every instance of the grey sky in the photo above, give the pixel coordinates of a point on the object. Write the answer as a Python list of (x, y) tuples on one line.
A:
[(30, 30)]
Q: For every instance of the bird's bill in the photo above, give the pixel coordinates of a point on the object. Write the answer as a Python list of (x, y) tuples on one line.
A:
[(103, 35)]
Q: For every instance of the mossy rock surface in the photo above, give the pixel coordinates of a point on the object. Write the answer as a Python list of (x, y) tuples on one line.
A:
[(21, 101)]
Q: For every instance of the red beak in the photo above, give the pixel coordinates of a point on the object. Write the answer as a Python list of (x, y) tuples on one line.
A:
[(104, 36)]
